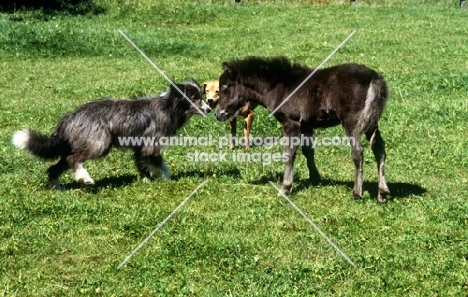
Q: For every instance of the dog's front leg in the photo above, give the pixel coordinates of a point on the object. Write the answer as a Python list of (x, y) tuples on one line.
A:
[(151, 164), (160, 168), (142, 164), (248, 126)]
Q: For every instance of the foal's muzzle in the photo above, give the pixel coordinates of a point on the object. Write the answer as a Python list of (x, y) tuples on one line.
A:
[(221, 115)]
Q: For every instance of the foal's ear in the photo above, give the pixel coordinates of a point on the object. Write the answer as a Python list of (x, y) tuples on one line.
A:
[(226, 67)]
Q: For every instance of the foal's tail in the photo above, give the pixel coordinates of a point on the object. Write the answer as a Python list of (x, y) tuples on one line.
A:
[(376, 98), (42, 146)]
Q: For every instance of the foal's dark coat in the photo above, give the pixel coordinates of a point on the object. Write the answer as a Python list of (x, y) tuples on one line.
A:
[(350, 94), (92, 129)]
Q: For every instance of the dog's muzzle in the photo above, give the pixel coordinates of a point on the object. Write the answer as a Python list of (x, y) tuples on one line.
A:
[(205, 107), (211, 102)]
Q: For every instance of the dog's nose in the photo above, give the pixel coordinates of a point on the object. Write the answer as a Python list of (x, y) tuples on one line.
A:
[(205, 107), (211, 102), (221, 115)]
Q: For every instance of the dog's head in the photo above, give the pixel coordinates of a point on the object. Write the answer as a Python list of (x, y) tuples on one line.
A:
[(191, 90), (211, 90)]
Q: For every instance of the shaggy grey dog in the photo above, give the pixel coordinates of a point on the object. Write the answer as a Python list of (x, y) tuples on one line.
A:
[(91, 130)]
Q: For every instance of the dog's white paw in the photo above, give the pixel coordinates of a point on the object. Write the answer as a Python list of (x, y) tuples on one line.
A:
[(82, 174)]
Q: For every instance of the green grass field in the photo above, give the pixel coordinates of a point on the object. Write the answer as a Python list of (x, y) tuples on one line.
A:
[(235, 236)]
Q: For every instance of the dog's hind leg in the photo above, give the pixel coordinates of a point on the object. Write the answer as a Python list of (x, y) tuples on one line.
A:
[(247, 127), (79, 172), (55, 171), (378, 148)]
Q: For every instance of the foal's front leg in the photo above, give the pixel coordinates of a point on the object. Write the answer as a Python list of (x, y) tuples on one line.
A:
[(308, 151), (292, 135), (233, 130)]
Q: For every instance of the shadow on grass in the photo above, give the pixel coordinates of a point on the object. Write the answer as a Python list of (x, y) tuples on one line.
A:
[(232, 173), (107, 182), (50, 7), (124, 180), (397, 190)]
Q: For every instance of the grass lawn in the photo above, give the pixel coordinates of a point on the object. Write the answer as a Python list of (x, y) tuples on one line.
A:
[(235, 236)]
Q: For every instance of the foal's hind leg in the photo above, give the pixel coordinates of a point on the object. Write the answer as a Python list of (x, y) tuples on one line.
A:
[(378, 148), (357, 155), (308, 152)]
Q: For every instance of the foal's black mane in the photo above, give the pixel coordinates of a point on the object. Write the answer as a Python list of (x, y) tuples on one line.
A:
[(261, 66)]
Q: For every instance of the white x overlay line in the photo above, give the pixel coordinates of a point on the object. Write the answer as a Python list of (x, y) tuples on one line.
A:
[(313, 72), (160, 225), (315, 226), (161, 72)]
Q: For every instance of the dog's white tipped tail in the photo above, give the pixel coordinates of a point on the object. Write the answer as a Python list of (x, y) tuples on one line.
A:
[(21, 139)]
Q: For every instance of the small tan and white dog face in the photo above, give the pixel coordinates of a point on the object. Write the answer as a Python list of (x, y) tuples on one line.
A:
[(211, 90)]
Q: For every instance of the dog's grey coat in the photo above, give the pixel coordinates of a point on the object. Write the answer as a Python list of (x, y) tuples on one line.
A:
[(91, 130)]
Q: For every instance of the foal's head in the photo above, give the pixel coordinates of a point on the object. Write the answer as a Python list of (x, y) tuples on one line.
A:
[(232, 94)]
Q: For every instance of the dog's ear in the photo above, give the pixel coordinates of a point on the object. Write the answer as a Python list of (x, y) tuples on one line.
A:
[(176, 92), (192, 92), (204, 87)]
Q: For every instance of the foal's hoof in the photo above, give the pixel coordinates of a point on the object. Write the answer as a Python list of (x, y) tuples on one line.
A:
[(382, 196), (356, 196), (285, 190), (380, 199)]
